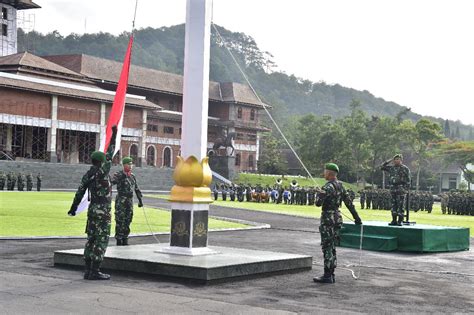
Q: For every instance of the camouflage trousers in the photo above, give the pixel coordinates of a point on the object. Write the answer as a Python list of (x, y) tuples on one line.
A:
[(98, 231), (398, 201), (329, 228), (123, 216), (2, 184), (29, 186)]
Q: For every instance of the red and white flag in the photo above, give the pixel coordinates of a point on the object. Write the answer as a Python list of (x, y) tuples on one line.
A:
[(115, 116)]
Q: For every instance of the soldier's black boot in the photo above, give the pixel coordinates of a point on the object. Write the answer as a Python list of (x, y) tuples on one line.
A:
[(400, 220), (87, 268), (333, 276), (119, 242), (394, 219), (95, 273), (326, 278), (125, 242)]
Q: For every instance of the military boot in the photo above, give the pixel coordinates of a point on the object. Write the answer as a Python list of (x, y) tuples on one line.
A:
[(326, 278), (125, 242), (394, 219), (95, 273), (333, 276), (400, 220), (87, 268), (119, 242)]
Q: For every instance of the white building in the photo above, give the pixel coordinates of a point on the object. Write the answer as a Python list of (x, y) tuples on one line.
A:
[(8, 22)]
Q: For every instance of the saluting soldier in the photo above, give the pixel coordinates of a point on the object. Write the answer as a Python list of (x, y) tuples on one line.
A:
[(330, 198), (126, 184), (399, 179)]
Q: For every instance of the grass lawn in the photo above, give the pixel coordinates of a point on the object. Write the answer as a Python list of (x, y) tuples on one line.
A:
[(45, 214), (423, 217)]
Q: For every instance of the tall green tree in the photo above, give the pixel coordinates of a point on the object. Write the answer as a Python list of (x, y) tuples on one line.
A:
[(271, 159)]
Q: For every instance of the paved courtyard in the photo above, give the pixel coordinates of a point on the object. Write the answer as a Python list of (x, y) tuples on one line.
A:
[(389, 282)]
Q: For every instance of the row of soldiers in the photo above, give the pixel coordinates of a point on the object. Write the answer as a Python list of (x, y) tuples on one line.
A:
[(10, 180), (278, 194), (456, 202), (381, 199)]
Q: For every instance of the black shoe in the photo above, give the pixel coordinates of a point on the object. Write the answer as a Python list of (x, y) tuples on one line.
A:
[(87, 269), (95, 273), (326, 278), (393, 223), (119, 242), (125, 242)]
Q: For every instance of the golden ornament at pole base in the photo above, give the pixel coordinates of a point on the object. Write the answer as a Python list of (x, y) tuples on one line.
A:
[(192, 181)]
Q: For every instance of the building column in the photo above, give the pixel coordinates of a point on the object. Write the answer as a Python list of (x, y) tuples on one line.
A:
[(52, 155), (257, 154), (142, 148), (101, 134), (8, 145)]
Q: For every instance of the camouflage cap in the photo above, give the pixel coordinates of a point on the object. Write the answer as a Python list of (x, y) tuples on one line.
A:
[(331, 167), (398, 156), (98, 156), (127, 160)]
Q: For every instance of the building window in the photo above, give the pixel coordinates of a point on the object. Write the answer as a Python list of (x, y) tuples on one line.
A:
[(172, 106), (169, 130), (134, 153), (240, 136), (152, 127), (239, 112), (4, 13), (237, 159), (453, 183), (180, 130), (167, 157), (4, 30), (251, 162), (150, 155), (252, 114), (252, 137)]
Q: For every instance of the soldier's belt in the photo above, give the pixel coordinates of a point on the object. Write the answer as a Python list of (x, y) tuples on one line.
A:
[(100, 199), (126, 195)]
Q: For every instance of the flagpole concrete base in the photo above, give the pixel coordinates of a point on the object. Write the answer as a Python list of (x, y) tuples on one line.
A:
[(226, 264)]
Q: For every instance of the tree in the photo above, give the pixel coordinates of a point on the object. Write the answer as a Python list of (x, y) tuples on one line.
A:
[(271, 161), (447, 130), (460, 153), (420, 137)]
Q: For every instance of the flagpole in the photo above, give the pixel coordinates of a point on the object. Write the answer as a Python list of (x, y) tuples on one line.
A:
[(134, 17)]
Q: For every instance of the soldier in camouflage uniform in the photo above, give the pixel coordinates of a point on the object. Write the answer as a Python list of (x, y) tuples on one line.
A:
[(3, 179), (11, 180), (330, 197), (362, 198), (29, 182), (126, 185), (399, 179), (97, 181), (21, 182), (38, 182)]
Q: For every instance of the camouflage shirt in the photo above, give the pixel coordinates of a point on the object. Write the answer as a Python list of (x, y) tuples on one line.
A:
[(332, 195), (399, 176), (126, 184), (97, 180)]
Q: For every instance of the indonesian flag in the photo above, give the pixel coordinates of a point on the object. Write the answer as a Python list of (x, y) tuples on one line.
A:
[(115, 117)]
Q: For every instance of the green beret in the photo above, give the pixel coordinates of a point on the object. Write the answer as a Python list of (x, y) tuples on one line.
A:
[(98, 156), (331, 167), (398, 156), (127, 160)]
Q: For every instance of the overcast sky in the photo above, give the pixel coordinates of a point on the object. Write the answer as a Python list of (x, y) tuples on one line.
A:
[(418, 53)]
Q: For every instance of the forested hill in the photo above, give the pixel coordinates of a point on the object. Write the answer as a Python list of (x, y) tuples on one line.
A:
[(163, 49)]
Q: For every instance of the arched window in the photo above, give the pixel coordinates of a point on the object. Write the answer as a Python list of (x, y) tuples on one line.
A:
[(134, 153), (150, 155), (252, 114), (167, 157), (237, 159), (251, 162), (239, 112)]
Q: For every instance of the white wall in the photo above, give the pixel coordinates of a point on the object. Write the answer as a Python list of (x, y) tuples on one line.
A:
[(8, 45)]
